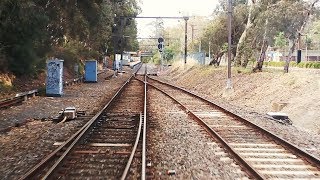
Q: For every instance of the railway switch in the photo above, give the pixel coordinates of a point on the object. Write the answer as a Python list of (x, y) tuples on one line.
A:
[(69, 113)]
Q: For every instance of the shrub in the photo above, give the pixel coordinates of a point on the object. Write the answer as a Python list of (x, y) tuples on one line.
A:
[(315, 65)]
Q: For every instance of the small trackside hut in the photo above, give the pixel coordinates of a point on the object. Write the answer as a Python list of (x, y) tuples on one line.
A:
[(91, 71)]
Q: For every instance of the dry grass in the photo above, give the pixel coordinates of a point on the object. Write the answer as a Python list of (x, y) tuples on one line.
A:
[(257, 91)]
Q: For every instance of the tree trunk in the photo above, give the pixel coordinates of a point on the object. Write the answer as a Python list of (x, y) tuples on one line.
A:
[(216, 60), (262, 57), (241, 43), (219, 60), (263, 49), (288, 59), (297, 37)]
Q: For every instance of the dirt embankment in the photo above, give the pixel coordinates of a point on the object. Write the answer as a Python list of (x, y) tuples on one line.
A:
[(10, 84), (298, 90)]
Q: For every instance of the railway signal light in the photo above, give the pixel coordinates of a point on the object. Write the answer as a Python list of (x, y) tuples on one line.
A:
[(160, 45)]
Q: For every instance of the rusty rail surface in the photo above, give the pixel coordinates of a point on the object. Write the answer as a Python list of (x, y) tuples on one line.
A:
[(53, 160), (18, 98)]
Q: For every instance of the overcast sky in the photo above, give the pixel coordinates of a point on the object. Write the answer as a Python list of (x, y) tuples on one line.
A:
[(171, 8)]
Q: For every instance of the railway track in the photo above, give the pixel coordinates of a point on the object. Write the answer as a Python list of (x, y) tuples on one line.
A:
[(110, 146), (17, 99), (261, 154), (23, 96)]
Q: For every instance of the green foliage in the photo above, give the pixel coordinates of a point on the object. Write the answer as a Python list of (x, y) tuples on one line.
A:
[(275, 64), (314, 65), (146, 59), (156, 58), (280, 40), (3, 61), (24, 36), (168, 54), (285, 16), (33, 30), (215, 31), (308, 41), (4, 88), (73, 53)]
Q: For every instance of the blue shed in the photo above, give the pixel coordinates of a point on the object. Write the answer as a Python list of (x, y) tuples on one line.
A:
[(91, 71), (54, 82)]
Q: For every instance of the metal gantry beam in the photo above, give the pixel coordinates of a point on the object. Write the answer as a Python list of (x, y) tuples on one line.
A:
[(154, 17), (154, 38)]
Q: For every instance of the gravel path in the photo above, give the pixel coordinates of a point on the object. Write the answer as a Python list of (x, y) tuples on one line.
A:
[(22, 147)]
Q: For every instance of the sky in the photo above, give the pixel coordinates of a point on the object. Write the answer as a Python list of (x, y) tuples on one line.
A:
[(171, 8)]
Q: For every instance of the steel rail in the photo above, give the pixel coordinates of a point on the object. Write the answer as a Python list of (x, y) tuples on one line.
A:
[(293, 148), (251, 171), (90, 123), (134, 149), (52, 155), (144, 135), (143, 173), (10, 102), (19, 97), (72, 138)]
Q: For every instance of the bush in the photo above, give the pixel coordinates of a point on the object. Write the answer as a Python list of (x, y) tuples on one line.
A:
[(315, 65), (4, 88), (70, 58), (275, 64), (74, 53), (156, 58)]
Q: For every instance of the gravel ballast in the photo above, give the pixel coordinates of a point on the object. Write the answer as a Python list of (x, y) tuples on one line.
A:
[(22, 147), (179, 147), (209, 83)]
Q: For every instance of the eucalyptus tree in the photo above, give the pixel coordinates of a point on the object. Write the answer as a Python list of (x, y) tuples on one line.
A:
[(216, 35), (24, 40), (280, 42), (32, 30), (125, 30), (298, 27), (264, 21), (242, 51), (215, 32), (289, 17)]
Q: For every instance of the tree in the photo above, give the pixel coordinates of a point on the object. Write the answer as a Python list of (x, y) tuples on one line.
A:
[(280, 42), (297, 26), (241, 45), (32, 30), (23, 35), (215, 32)]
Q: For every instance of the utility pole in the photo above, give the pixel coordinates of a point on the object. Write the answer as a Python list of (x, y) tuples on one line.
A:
[(192, 32), (185, 39), (307, 47), (229, 84)]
